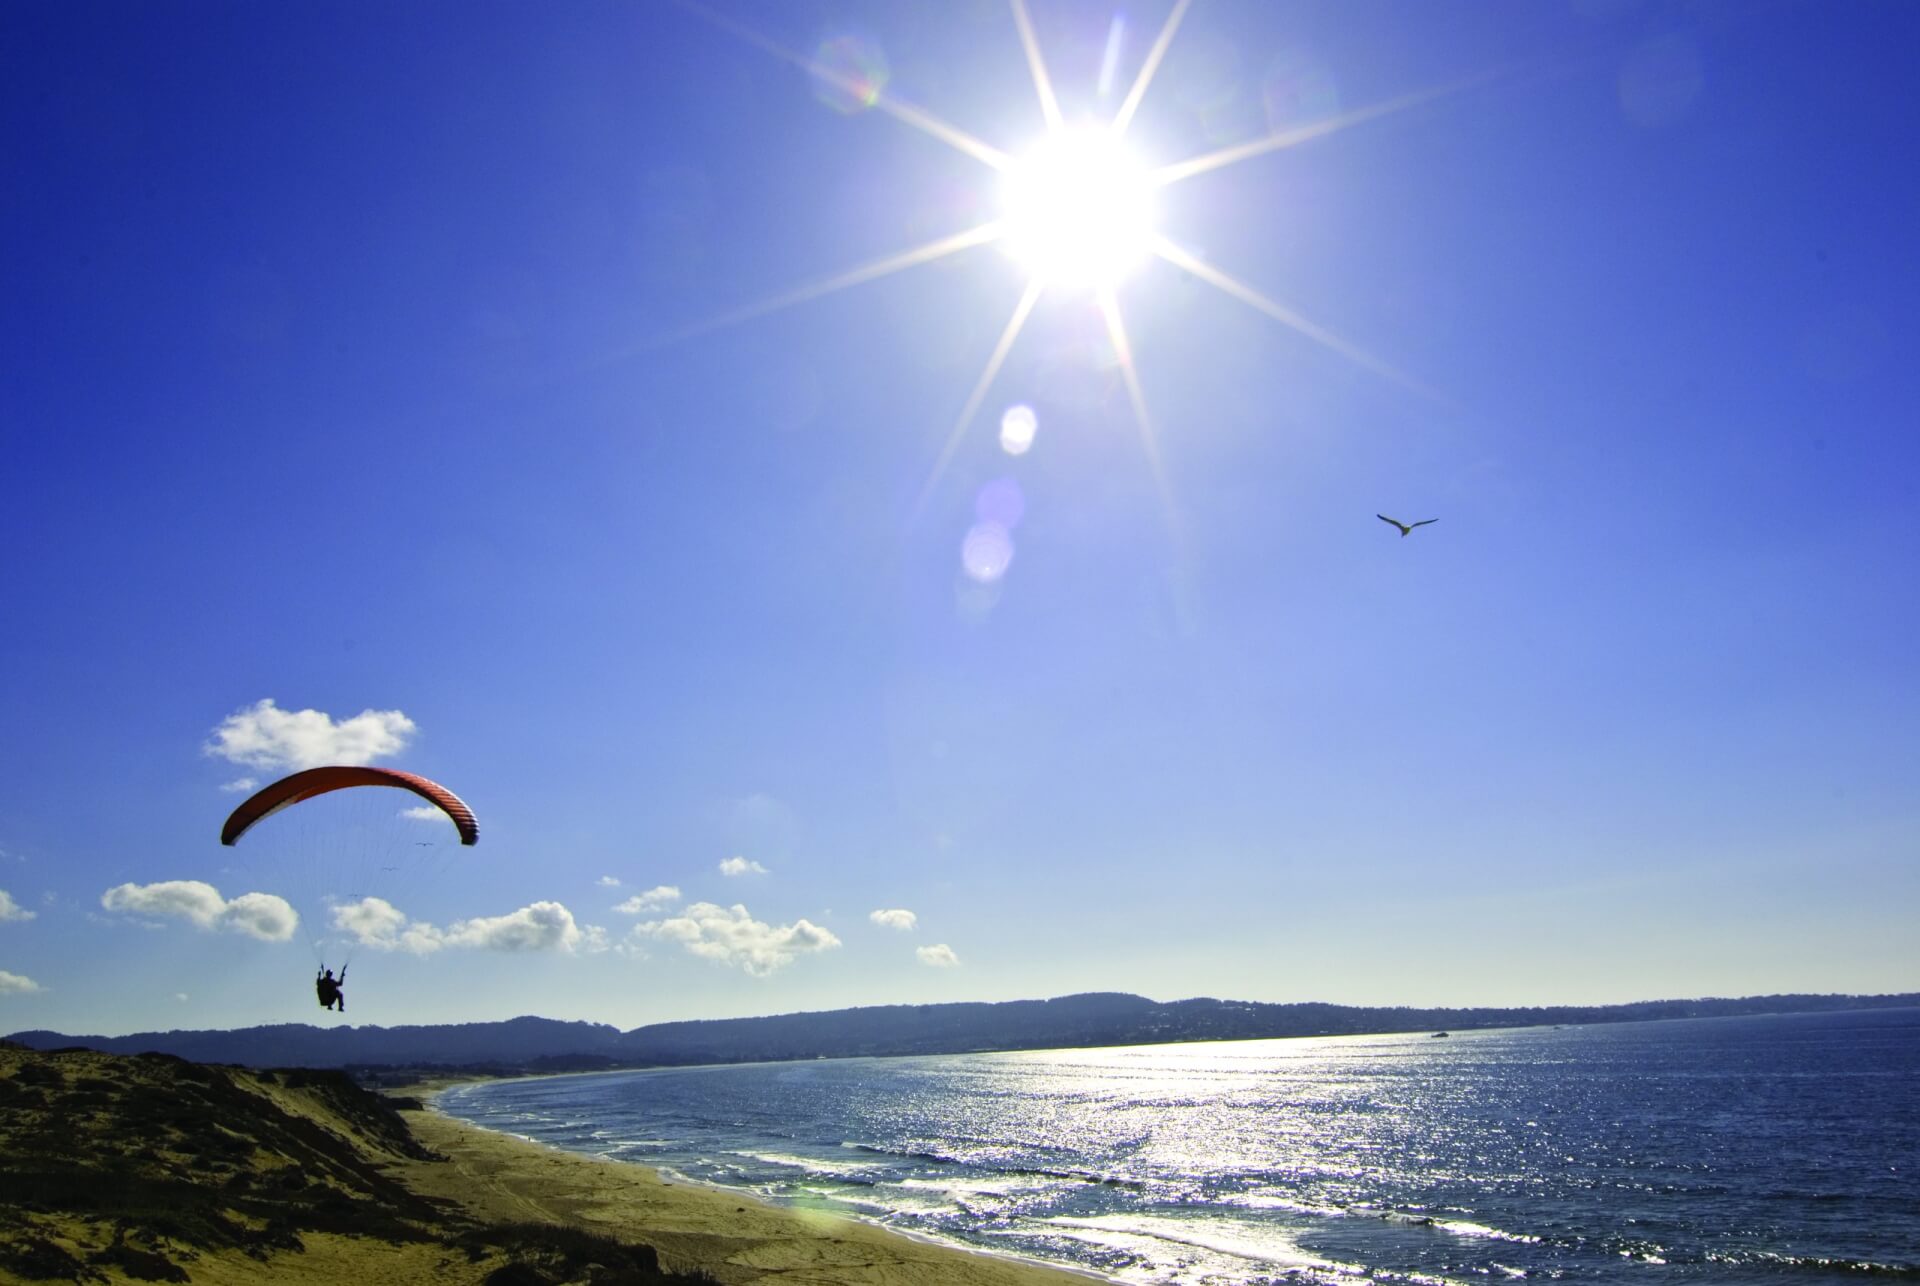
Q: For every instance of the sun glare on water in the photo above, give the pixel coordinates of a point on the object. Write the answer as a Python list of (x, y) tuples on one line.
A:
[(1079, 210)]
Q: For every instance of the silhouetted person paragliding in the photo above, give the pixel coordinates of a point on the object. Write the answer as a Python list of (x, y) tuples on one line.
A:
[(327, 987)]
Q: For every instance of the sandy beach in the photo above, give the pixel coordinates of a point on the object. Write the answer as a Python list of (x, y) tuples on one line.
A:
[(733, 1239), (151, 1168)]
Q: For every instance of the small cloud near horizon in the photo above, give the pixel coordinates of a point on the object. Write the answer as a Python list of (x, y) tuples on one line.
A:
[(425, 813), (11, 910), (239, 784), (938, 956), (734, 867), (652, 900), (731, 936), (608, 881), (894, 919), (263, 735), (265, 916), (14, 984), (538, 926)]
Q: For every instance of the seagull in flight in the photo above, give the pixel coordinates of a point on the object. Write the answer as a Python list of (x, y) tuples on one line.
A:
[(1405, 527)]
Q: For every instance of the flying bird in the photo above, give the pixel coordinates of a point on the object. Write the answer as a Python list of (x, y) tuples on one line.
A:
[(1405, 527)]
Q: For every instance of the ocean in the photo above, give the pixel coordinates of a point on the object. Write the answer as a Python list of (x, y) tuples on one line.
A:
[(1730, 1150)]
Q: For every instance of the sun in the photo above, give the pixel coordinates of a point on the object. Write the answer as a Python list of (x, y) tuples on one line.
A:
[(1078, 210)]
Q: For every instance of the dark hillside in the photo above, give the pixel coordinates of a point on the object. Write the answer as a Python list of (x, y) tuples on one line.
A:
[(157, 1169)]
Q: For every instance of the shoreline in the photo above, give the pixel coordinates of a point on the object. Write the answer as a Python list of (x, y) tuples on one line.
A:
[(735, 1237)]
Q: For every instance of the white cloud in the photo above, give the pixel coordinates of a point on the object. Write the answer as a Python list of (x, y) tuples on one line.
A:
[(735, 866), (265, 736), (732, 936), (239, 784), (539, 926), (938, 956), (260, 915), (593, 939), (652, 900), (16, 984), (180, 996), (376, 922), (11, 910), (608, 881), (265, 916), (894, 919), (192, 899), (373, 921), (426, 813)]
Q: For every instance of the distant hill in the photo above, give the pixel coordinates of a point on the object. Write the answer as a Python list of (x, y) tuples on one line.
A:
[(517, 1041), (1097, 1018)]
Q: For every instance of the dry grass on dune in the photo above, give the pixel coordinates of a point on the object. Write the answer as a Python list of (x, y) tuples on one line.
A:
[(150, 1168)]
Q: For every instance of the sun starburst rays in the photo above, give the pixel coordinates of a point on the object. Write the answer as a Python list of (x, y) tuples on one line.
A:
[(1028, 298), (1131, 104), (1041, 277), (1170, 174), (1042, 83), (868, 94), (1246, 294), (980, 235), (1130, 376)]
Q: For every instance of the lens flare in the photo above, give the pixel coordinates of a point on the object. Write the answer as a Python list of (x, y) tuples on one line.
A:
[(1001, 503), (1299, 90), (987, 552), (848, 73), (1017, 428)]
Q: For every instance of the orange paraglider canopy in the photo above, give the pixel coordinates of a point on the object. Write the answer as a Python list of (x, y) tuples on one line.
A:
[(318, 781)]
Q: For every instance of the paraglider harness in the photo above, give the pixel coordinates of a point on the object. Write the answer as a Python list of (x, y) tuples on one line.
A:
[(328, 988)]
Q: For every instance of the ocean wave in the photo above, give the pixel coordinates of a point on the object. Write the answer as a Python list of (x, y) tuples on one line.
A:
[(1291, 1205), (1251, 1244), (908, 1154), (1002, 1186), (846, 1171), (1819, 1263), (1000, 1168), (1464, 1228)]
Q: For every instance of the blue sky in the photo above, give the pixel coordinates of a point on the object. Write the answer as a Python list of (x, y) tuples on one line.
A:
[(410, 362)]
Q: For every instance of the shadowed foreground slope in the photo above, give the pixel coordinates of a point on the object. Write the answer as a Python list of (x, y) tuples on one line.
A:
[(148, 1168)]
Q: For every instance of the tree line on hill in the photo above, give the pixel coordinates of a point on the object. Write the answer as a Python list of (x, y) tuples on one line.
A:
[(1100, 1018)]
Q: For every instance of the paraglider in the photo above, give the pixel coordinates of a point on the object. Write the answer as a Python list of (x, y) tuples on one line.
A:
[(289, 791), (361, 849)]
